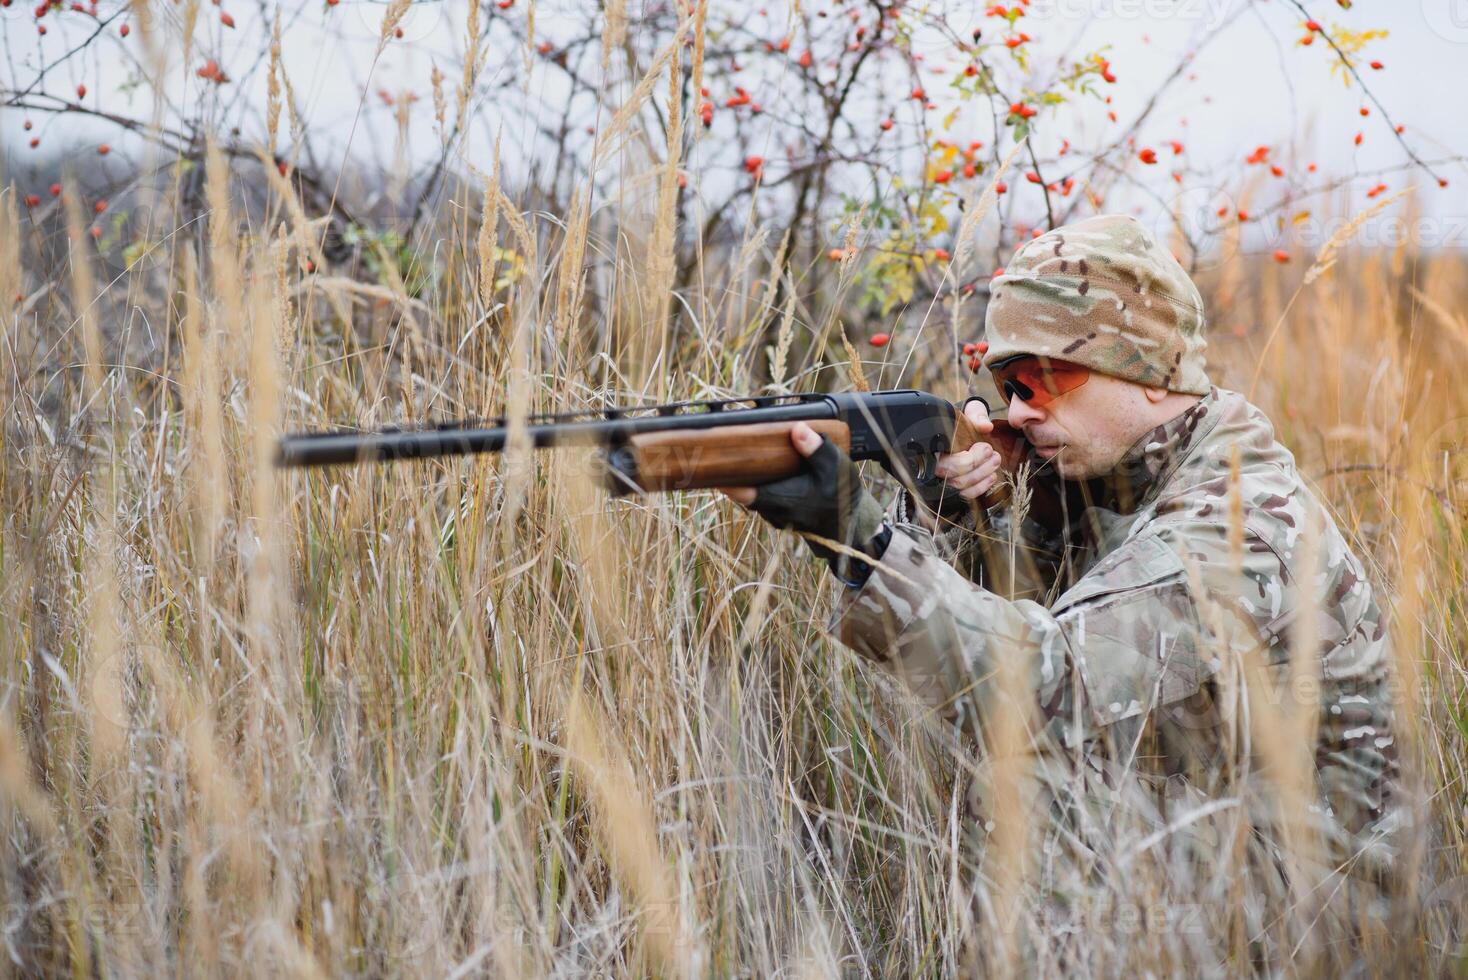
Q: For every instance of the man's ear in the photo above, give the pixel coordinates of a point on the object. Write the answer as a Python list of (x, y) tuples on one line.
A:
[(1154, 395)]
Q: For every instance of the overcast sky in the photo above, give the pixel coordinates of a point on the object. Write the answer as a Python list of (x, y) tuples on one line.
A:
[(1255, 84)]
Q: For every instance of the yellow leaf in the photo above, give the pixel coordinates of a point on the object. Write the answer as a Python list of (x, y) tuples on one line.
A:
[(1300, 217)]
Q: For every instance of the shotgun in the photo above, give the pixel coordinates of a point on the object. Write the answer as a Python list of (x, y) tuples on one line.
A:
[(700, 444)]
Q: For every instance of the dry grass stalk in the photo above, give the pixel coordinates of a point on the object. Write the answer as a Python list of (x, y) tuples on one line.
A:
[(854, 372), (629, 830), (661, 261), (272, 89), (471, 62), (396, 10), (488, 244), (781, 349), (1326, 257)]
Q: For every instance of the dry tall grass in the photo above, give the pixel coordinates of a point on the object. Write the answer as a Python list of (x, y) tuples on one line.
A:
[(473, 717)]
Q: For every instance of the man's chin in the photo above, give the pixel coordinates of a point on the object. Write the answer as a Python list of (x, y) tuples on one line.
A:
[(1064, 464)]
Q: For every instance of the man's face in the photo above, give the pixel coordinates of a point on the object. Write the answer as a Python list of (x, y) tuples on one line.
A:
[(1085, 432)]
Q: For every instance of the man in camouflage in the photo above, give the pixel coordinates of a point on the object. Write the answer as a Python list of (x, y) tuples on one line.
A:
[(1191, 557)]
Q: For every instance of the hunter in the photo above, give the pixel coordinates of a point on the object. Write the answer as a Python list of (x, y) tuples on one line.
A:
[(1189, 554)]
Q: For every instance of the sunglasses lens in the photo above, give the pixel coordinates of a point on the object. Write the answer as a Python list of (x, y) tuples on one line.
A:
[(1015, 389), (1038, 382)]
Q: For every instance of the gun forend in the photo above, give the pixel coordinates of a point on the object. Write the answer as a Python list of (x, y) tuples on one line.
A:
[(694, 459)]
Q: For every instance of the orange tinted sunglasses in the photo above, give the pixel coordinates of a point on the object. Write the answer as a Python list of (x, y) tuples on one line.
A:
[(1036, 379)]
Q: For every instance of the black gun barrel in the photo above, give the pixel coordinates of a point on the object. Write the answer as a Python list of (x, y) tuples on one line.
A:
[(610, 427)]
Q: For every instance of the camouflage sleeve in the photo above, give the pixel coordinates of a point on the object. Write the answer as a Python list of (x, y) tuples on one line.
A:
[(1119, 642)]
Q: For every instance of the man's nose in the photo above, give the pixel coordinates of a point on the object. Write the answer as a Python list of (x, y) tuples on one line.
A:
[(1021, 413)]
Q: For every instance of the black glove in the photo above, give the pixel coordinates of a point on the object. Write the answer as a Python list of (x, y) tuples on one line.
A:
[(825, 498)]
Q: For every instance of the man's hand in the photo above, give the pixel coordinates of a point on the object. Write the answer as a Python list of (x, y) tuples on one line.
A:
[(973, 472), (825, 498)]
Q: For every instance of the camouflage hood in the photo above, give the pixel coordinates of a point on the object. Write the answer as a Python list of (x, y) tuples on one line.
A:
[(1101, 292)]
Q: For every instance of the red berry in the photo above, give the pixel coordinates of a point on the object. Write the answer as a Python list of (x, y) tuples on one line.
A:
[(1276, 169), (943, 176), (99, 207), (104, 149), (969, 348), (35, 142), (1148, 155), (1311, 25), (124, 30), (1377, 66), (974, 364), (81, 91), (55, 190), (919, 94), (1032, 177), (28, 125), (880, 339), (96, 231), (941, 254), (1358, 139), (1365, 111), (31, 200), (1000, 187), (885, 124), (805, 60), (983, 345), (1281, 256), (226, 19)]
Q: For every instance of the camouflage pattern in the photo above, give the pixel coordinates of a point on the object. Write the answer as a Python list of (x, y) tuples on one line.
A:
[(1103, 293), (1138, 622)]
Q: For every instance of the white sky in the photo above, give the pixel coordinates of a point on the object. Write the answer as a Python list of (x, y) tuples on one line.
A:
[(1254, 84)]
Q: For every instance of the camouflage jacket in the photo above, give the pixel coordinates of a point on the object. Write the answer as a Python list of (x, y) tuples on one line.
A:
[(1145, 610)]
